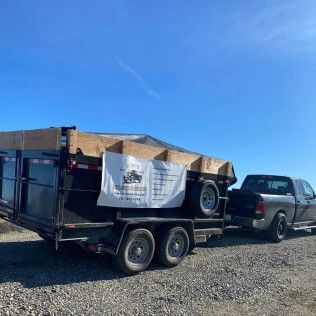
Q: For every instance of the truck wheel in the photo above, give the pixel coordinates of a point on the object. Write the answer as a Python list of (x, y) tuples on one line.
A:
[(204, 199), (278, 229), (136, 251), (313, 231), (172, 247)]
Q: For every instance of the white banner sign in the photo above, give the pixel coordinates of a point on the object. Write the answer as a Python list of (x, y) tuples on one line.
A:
[(141, 183)]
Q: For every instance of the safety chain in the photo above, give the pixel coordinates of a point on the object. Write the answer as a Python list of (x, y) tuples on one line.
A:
[(57, 238)]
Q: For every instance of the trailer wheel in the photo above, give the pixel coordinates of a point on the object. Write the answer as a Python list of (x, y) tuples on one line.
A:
[(278, 229), (204, 199), (173, 246), (136, 251)]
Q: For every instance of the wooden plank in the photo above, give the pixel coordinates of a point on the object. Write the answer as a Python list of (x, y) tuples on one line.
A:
[(184, 158), (213, 165), (143, 151), (11, 140), (41, 139), (72, 141), (44, 139), (92, 144), (226, 169), (217, 166)]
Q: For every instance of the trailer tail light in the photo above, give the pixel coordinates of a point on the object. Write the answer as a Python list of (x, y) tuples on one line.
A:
[(260, 207)]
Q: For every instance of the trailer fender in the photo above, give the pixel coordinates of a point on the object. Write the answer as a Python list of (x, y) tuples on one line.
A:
[(121, 226)]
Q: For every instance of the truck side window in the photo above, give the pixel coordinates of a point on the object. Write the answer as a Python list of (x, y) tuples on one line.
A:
[(308, 191), (298, 187)]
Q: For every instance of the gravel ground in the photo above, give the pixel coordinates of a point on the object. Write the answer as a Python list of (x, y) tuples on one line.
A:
[(237, 274)]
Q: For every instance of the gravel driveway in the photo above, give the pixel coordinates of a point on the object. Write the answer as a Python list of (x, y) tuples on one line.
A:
[(238, 274)]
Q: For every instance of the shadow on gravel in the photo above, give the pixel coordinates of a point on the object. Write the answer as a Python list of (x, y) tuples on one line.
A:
[(37, 264), (235, 236)]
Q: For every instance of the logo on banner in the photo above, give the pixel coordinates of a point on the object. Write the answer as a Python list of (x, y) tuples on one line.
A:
[(132, 177)]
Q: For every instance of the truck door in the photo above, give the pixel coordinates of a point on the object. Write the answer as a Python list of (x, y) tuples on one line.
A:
[(8, 184), (302, 203), (39, 174), (310, 201)]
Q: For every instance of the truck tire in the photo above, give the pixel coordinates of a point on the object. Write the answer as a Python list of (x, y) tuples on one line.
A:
[(136, 251), (172, 246), (204, 199), (313, 231), (278, 229)]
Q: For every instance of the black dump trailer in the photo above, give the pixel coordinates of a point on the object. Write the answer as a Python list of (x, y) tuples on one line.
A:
[(50, 181)]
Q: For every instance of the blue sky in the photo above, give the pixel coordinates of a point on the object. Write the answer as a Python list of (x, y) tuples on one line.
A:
[(230, 79)]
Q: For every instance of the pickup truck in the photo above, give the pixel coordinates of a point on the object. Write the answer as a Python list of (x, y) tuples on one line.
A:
[(273, 204)]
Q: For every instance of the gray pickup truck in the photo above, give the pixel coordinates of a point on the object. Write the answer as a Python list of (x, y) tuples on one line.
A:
[(273, 204)]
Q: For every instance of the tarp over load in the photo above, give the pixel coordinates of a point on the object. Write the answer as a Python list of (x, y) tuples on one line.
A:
[(94, 144)]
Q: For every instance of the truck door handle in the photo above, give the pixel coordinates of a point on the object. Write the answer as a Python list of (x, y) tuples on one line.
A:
[(309, 202), (299, 202), (27, 179)]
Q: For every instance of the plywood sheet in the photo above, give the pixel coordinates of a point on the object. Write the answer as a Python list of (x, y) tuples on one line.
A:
[(11, 140), (41, 139)]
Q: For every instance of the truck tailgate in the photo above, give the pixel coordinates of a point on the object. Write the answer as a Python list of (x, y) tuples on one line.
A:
[(242, 203)]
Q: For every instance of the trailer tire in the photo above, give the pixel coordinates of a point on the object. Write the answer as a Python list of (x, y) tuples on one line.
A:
[(172, 247), (204, 199), (278, 228), (136, 251)]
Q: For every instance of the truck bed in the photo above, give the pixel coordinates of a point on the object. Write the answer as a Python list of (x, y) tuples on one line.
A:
[(245, 208)]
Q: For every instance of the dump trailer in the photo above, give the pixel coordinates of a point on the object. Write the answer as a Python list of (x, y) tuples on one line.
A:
[(51, 182)]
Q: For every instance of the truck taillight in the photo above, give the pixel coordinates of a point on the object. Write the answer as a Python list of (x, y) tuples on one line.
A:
[(260, 207)]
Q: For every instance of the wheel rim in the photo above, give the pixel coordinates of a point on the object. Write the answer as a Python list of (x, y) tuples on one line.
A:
[(281, 229), (176, 246), (138, 251), (208, 198)]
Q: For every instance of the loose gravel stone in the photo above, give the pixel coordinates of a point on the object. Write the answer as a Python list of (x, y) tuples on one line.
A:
[(239, 273)]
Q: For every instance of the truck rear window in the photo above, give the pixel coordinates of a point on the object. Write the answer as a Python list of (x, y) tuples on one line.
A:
[(268, 185)]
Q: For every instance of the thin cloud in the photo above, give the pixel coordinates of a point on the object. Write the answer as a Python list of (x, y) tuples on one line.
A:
[(138, 79), (288, 25)]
